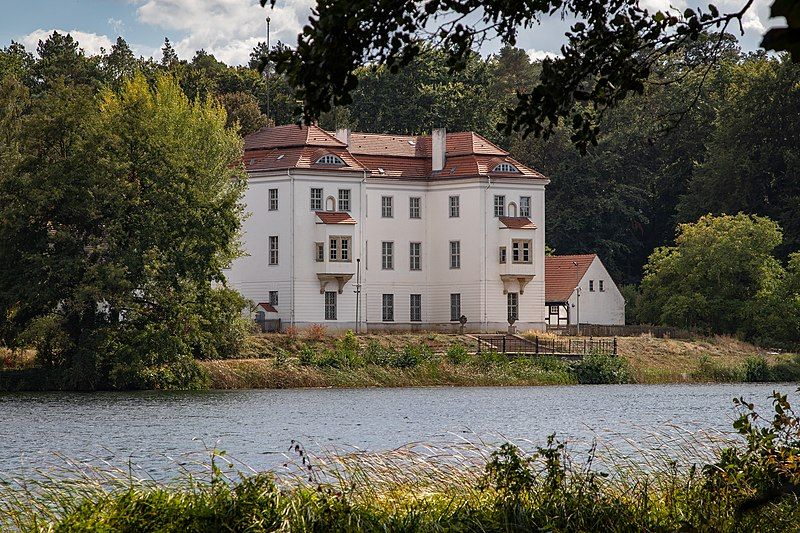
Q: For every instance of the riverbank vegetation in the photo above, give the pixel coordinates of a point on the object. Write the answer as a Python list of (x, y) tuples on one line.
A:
[(749, 485)]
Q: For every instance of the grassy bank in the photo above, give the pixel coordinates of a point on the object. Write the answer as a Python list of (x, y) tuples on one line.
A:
[(316, 359), (747, 487)]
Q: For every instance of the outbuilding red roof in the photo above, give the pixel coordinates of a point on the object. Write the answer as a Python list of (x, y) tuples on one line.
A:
[(269, 308), (517, 222), (562, 273), (335, 217), (467, 154)]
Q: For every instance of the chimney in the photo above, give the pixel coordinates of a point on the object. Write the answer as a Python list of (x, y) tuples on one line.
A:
[(343, 134), (438, 148)]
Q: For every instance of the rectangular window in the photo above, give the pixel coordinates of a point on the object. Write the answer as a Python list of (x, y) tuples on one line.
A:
[(273, 249), (521, 251), (414, 210), (591, 285), (316, 199), (388, 307), (330, 305), (455, 207), (414, 256), (502, 255), (602, 289), (455, 307), (554, 310), (387, 255), (455, 254), (513, 306), (387, 206), (319, 252), (344, 199), (415, 313), (524, 206), (273, 199), (273, 298), (499, 205), (339, 249)]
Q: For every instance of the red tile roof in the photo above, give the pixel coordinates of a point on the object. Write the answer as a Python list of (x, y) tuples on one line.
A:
[(384, 156), (269, 308), (517, 222), (335, 217), (561, 276)]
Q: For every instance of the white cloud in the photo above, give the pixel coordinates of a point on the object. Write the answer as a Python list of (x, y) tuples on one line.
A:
[(117, 25), (229, 29), (91, 43), (538, 55)]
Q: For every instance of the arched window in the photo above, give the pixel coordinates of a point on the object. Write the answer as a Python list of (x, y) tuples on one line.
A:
[(512, 209), (505, 167), (330, 204), (330, 159)]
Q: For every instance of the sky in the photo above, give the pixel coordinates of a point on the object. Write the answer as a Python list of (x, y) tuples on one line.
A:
[(230, 28)]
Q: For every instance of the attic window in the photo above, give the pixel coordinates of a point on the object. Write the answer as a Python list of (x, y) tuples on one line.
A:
[(505, 167), (330, 159), (280, 157), (381, 171)]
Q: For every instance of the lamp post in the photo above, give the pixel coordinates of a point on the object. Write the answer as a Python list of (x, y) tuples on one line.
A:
[(266, 69), (577, 299)]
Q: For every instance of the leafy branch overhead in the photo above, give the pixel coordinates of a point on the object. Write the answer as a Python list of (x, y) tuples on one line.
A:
[(611, 50)]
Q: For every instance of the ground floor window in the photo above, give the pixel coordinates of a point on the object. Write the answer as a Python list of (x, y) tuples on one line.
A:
[(513, 306), (416, 308), (455, 307), (388, 307), (330, 305), (554, 310), (273, 298)]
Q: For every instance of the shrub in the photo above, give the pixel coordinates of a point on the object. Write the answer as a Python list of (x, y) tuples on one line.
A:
[(457, 354), (708, 370), (306, 355), (375, 354), (411, 356), (290, 332), (317, 332), (756, 369), (597, 369), (332, 359), (488, 359), (786, 369), (281, 356)]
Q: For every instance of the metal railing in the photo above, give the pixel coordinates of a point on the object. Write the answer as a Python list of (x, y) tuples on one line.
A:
[(515, 345)]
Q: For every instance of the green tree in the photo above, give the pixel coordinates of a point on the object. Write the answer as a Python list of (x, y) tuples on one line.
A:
[(243, 112), (714, 276), (114, 231), (168, 55)]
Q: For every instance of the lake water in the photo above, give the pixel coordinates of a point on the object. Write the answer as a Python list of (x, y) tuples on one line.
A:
[(157, 431)]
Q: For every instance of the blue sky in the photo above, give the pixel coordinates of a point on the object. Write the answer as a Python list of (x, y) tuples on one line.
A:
[(230, 28)]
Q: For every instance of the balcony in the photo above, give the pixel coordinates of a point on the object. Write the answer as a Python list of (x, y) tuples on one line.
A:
[(335, 238)]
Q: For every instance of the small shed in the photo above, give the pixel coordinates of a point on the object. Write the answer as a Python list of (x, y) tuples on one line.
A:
[(579, 288), (266, 317)]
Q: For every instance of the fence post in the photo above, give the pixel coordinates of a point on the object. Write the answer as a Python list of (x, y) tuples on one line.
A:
[(479, 343), (584, 346), (537, 345), (504, 344), (614, 344)]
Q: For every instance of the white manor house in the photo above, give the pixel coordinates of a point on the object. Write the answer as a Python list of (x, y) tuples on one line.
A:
[(391, 231)]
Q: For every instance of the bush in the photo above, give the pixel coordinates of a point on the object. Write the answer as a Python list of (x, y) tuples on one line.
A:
[(306, 355), (375, 354), (486, 360), (598, 369), (411, 356), (756, 369), (331, 359), (708, 370), (457, 354), (786, 369), (317, 332)]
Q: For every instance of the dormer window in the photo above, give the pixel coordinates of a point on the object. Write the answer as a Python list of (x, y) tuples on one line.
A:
[(330, 159), (505, 167)]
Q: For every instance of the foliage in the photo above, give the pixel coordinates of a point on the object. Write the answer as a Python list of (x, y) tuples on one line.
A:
[(756, 369), (601, 64), (712, 278), (119, 215), (317, 332), (457, 354), (596, 368), (716, 372)]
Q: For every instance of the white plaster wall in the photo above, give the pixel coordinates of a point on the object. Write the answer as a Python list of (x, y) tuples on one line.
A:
[(603, 308), (478, 280)]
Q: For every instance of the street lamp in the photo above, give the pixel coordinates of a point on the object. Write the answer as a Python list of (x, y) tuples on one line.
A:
[(577, 299)]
